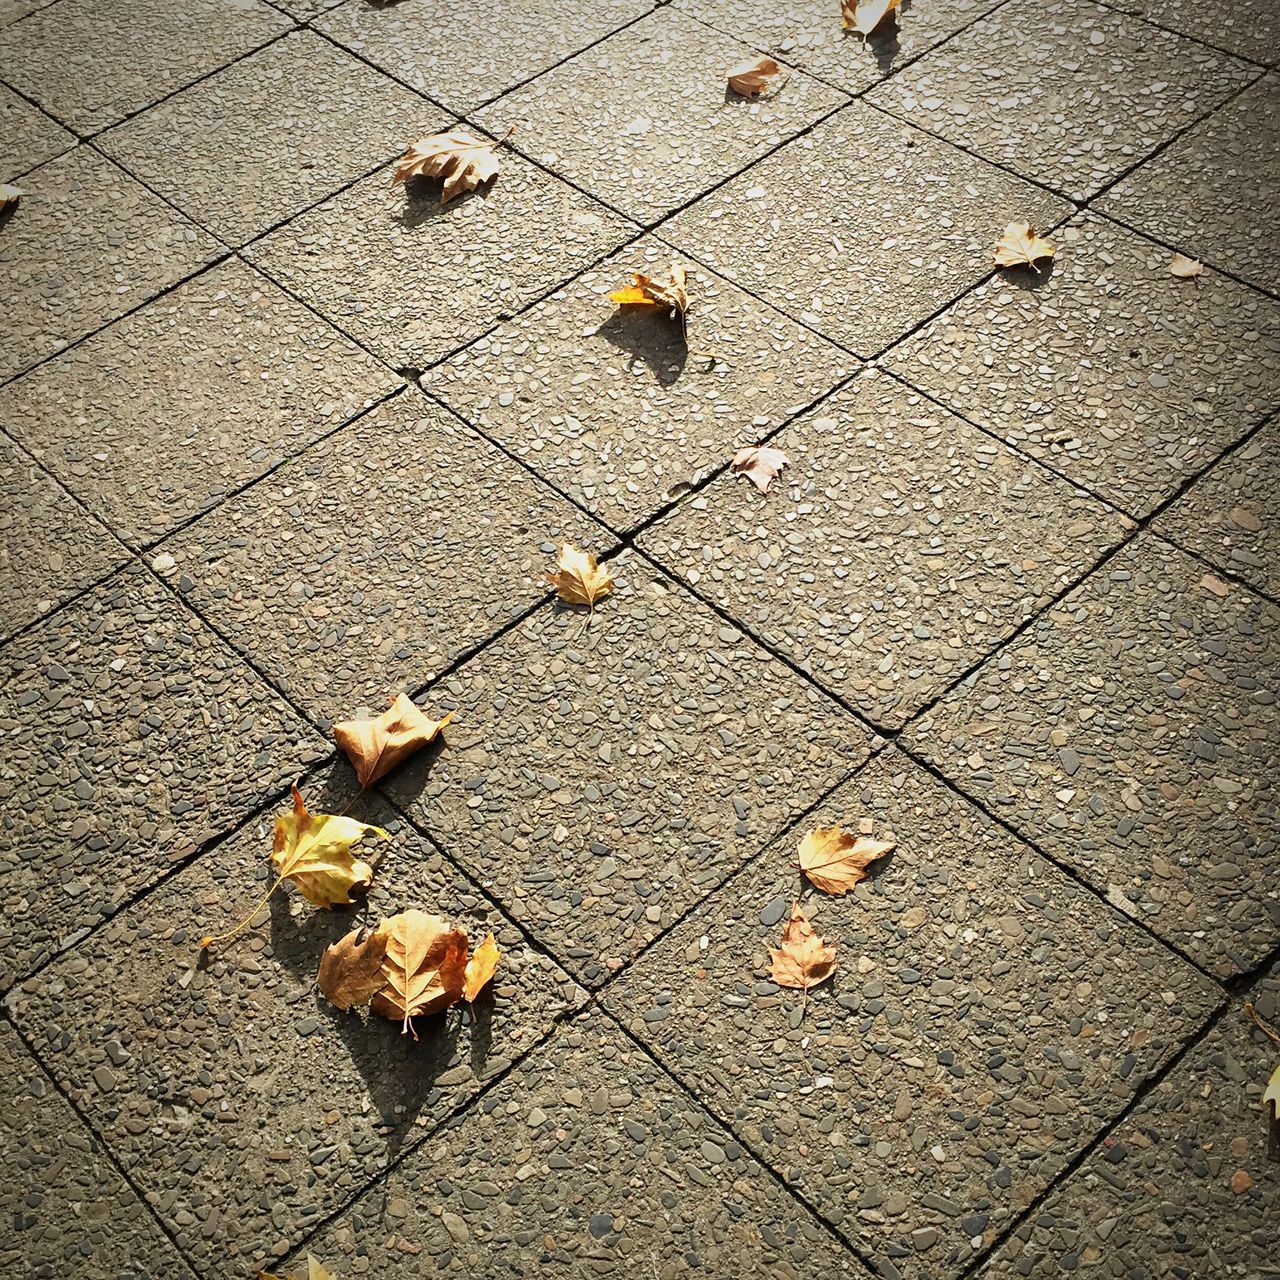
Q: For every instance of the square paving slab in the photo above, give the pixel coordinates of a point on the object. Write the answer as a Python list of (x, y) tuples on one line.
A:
[(366, 565), (1065, 92), (84, 245), (611, 406), (1183, 1187), (90, 63), (67, 1210), (898, 548), (586, 1161), (415, 281), (1211, 192), (862, 228), (986, 1019), (1250, 28), (604, 776), (271, 134), (163, 414), (12, 10), (1109, 369), (28, 137), (132, 735), (1132, 732), (676, 131), (240, 1101)]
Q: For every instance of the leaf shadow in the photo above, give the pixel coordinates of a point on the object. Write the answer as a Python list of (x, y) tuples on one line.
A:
[(645, 334), (408, 779), (422, 201), (884, 41), (1029, 279)]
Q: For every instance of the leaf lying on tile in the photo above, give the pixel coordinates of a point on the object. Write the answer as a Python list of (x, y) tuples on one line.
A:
[(670, 294), (864, 16), (760, 463), (9, 196), (835, 860), (1021, 247), (480, 968), (803, 958), (376, 746), (463, 162), (578, 579), (752, 77), (1185, 268), (314, 1272)]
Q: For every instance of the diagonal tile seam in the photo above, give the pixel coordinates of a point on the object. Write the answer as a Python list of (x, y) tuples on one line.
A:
[(1183, 35)]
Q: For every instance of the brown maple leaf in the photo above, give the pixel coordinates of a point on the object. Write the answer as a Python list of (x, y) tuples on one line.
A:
[(835, 860), (1185, 268), (864, 16), (464, 162), (376, 746), (351, 968), (424, 967), (803, 958), (752, 77), (481, 967), (578, 579), (760, 464), (1021, 247)]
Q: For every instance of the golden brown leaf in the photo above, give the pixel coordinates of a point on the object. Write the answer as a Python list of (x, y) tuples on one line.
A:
[(1185, 268), (314, 1272), (752, 77), (464, 162), (864, 16), (314, 850), (9, 196), (1021, 247), (481, 967), (351, 968), (671, 294), (376, 746), (578, 579), (803, 959), (424, 967), (760, 464), (835, 860)]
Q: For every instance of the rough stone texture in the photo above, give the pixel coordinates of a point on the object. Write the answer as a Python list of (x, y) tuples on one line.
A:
[(1065, 92), (85, 245), (1183, 1187), (132, 735), (898, 547), (1210, 193), (675, 132), (67, 1211), (12, 10), (1249, 28), (365, 566), (611, 405), (28, 137), (1109, 369), (90, 63), (162, 415), (795, 227), (1132, 732)]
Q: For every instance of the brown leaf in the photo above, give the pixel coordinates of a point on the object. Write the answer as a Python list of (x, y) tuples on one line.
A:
[(375, 747), (1021, 247), (481, 967), (835, 860), (578, 579), (670, 294), (314, 1272), (752, 77), (9, 196), (803, 959), (351, 968), (864, 16), (760, 464), (1185, 268), (424, 967), (463, 161)]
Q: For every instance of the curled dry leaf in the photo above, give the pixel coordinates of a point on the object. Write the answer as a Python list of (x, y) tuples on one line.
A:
[(835, 860), (463, 162), (9, 196), (760, 464), (351, 968), (578, 579), (864, 16), (670, 294), (752, 77), (481, 967), (803, 958), (423, 968), (1185, 268), (314, 1272), (376, 746), (1021, 247)]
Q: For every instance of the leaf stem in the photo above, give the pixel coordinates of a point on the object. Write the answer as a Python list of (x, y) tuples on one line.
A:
[(209, 939)]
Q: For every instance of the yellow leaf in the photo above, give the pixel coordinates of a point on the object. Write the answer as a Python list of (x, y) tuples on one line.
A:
[(760, 464), (314, 851), (1185, 268), (376, 746), (803, 959), (1271, 1094), (864, 16), (480, 968), (423, 969), (752, 77), (351, 968), (314, 1272), (1021, 247), (670, 294), (835, 860), (578, 579), (463, 161)]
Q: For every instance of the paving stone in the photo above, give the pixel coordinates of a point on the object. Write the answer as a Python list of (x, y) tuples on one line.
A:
[(132, 735), (1065, 92), (90, 63), (369, 563), (587, 1160), (988, 1017), (1249, 28), (899, 547), (86, 244), (415, 281), (307, 9), (454, 51), (50, 548), (613, 407), (12, 10), (1183, 1187), (1132, 733), (604, 775), (1110, 369), (161, 415), (1210, 193), (795, 226), (242, 1104), (28, 137), (273, 133), (678, 129), (1231, 515), (66, 1209)]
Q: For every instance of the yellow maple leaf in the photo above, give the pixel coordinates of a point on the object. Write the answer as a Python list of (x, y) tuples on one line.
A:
[(835, 860), (864, 16), (803, 958), (1021, 247), (671, 294), (481, 967), (578, 579), (462, 160), (424, 967), (376, 746), (752, 77)]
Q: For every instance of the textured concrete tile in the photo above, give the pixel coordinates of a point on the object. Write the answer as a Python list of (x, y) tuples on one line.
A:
[(1132, 733), (49, 547), (86, 244), (1231, 515), (605, 775), (457, 53), (157, 417), (987, 1018), (366, 565), (1250, 28), (676, 130), (1211, 192), (93, 62), (12, 10), (67, 1211), (270, 135), (1063, 91), (307, 9), (1183, 1187), (241, 1102), (28, 137), (612, 406), (1109, 369), (899, 547), (587, 1160), (861, 228), (415, 281), (132, 735)]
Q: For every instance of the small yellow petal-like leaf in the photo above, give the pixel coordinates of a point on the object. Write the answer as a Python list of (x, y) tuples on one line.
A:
[(670, 294), (1021, 247), (480, 968), (1271, 1094), (578, 579), (314, 850), (835, 860), (376, 746), (803, 958)]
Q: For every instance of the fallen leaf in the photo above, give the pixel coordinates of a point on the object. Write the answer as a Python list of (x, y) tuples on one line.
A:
[(9, 196), (424, 967), (1185, 268), (314, 850), (578, 579), (864, 16), (351, 968), (760, 464), (670, 294), (1021, 247), (464, 162), (376, 746), (314, 1272), (480, 968), (803, 959), (835, 860), (753, 77), (1271, 1093)]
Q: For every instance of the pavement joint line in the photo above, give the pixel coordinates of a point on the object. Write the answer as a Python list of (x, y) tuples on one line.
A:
[(1141, 17)]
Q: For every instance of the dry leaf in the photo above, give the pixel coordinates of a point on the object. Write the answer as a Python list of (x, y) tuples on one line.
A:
[(835, 860), (351, 968), (1271, 1094), (670, 294), (1185, 268), (9, 196), (1021, 247), (314, 1272), (753, 77), (375, 747), (314, 850), (463, 161), (760, 464), (803, 959), (578, 579), (864, 16), (424, 967), (480, 968)]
